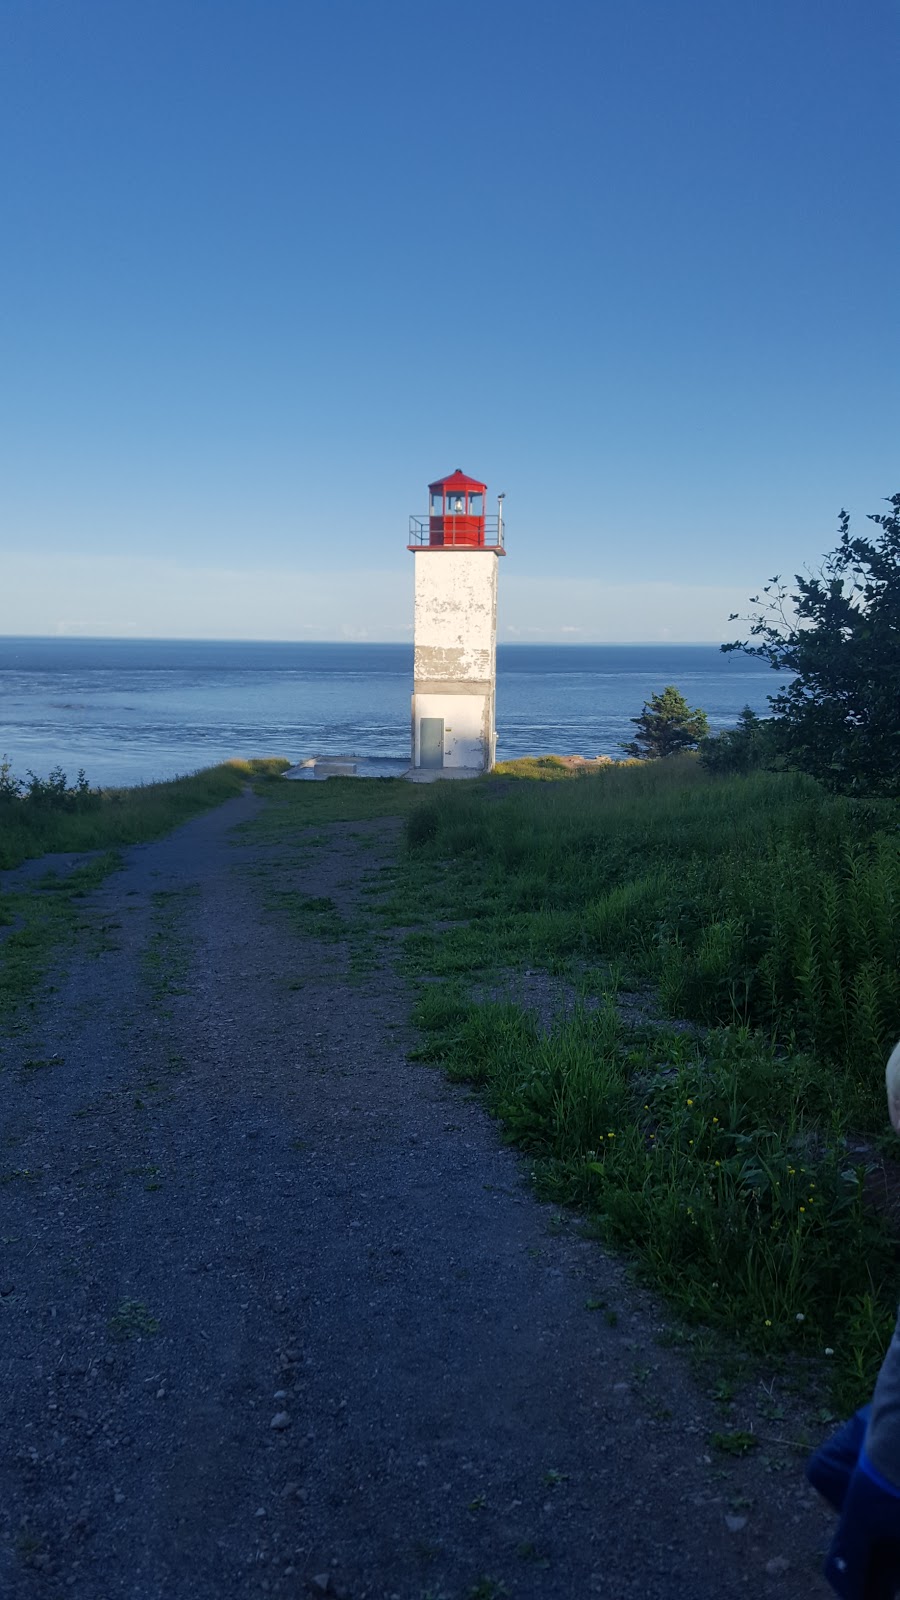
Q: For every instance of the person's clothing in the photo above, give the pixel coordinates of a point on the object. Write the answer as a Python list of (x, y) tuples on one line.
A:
[(832, 1466), (883, 1434), (864, 1560)]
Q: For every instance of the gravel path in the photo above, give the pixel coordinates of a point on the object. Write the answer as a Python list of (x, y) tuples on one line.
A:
[(279, 1314)]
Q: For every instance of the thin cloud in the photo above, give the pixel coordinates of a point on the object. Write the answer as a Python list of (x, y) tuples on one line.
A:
[(138, 597)]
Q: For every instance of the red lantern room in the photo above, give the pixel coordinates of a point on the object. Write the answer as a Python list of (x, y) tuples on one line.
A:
[(456, 518), (456, 510)]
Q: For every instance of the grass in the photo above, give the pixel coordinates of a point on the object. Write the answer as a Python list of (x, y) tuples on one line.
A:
[(730, 1160), (313, 916), (57, 819), (760, 901), (551, 768), (542, 768), (165, 960), (704, 1163), (294, 818), (318, 918), (132, 1320), (307, 803), (42, 917), (42, 920), (737, 1443)]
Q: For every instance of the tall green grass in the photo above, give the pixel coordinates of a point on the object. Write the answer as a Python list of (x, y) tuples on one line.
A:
[(727, 1158), (754, 900), (708, 1164)]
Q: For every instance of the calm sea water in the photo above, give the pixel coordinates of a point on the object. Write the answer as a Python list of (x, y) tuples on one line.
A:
[(130, 711)]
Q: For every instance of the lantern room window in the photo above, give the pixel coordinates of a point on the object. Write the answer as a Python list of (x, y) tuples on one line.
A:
[(437, 503), (476, 505)]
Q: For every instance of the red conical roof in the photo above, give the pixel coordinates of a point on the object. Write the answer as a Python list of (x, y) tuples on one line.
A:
[(457, 481)]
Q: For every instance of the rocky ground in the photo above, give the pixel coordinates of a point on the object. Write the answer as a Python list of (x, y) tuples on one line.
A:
[(279, 1313)]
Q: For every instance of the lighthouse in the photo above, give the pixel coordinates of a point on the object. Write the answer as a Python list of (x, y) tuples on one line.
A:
[(455, 550)]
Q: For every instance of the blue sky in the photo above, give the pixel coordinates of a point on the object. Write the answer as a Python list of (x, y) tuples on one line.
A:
[(270, 266)]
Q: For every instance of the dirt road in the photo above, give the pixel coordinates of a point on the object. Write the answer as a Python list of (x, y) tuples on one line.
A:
[(279, 1314)]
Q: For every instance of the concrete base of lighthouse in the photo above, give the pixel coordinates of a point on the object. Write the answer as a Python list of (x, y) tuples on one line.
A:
[(422, 775), (453, 703), (453, 729)]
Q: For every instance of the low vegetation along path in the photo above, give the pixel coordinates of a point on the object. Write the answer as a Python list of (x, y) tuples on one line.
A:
[(279, 1314)]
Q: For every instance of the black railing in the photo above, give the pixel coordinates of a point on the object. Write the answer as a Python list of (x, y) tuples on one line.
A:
[(469, 533)]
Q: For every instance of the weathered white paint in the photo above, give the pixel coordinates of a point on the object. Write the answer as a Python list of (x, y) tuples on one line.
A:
[(455, 634), (455, 614)]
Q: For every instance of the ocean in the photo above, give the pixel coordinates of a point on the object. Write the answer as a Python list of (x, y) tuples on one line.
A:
[(132, 711)]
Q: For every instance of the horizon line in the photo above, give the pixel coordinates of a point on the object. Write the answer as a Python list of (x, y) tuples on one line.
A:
[(185, 638)]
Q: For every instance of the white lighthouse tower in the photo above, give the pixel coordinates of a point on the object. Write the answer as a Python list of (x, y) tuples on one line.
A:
[(455, 631)]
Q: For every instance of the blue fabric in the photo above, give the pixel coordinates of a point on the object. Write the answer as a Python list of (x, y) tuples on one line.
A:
[(834, 1463), (864, 1560), (878, 1478)]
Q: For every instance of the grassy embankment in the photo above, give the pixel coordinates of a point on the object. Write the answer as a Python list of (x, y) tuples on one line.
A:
[(43, 914), (57, 818), (735, 1160)]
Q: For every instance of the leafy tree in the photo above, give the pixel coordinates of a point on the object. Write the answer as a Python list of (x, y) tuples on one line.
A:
[(838, 631), (747, 746), (666, 726), (10, 786)]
